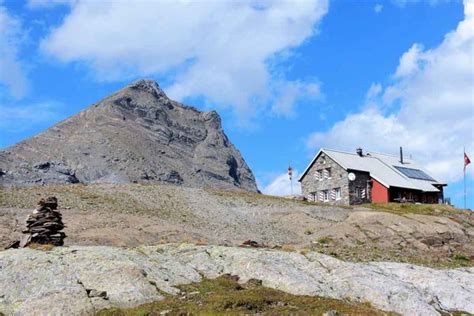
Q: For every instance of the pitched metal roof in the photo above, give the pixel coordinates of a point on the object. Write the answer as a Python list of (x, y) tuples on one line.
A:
[(381, 167)]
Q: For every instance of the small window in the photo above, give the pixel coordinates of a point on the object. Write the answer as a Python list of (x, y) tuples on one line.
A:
[(320, 196), (325, 195), (323, 159), (358, 192), (337, 193)]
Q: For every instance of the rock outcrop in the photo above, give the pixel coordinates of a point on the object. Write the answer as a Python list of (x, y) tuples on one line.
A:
[(82, 280), (135, 135)]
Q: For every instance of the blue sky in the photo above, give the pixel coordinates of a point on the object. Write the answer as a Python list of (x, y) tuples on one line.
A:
[(286, 77)]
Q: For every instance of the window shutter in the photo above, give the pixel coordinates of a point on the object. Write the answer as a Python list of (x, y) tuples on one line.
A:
[(316, 174), (333, 194)]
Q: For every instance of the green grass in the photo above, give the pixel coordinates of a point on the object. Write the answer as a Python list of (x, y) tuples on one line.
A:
[(325, 240), (425, 209), (225, 296), (459, 257)]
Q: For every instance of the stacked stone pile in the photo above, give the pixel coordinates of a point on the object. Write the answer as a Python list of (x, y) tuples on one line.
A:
[(44, 225)]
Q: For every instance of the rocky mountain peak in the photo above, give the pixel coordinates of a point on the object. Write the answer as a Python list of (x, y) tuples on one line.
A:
[(135, 135), (149, 86)]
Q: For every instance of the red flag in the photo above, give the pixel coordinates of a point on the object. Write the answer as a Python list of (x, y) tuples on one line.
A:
[(466, 161)]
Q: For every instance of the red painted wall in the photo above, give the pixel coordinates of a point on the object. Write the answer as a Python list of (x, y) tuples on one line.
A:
[(379, 192)]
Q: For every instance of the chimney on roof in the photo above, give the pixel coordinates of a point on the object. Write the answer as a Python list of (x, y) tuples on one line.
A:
[(401, 155), (359, 151)]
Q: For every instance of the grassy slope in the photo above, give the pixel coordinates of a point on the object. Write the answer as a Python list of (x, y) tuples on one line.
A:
[(130, 199), (225, 296)]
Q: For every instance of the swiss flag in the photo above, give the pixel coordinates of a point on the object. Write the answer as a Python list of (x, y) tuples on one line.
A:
[(466, 161)]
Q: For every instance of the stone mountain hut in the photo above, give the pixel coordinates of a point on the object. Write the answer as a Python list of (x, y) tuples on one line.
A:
[(339, 177)]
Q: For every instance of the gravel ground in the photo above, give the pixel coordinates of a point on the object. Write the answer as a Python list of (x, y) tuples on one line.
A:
[(133, 215)]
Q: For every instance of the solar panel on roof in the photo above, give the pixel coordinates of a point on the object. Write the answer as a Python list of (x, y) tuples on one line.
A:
[(414, 173)]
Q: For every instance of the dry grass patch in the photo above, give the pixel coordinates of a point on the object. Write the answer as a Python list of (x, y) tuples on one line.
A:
[(461, 216), (42, 247), (370, 251), (127, 198)]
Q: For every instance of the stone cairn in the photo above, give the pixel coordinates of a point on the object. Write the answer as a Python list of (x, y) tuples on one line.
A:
[(44, 224)]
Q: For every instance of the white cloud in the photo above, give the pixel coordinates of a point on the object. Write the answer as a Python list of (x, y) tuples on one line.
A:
[(224, 51), (281, 185), (290, 92), (374, 91), (410, 61), (436, 114), (11, 73), (378, 8)]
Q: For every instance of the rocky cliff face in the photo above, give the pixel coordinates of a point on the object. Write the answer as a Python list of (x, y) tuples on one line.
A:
[(135, 135)]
